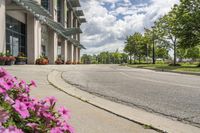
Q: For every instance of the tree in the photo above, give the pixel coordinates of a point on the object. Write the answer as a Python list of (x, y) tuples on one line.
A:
[(181, 53), (167, 27), (124, 58), (86, 59), (117, 57), (141, 46), (188, 13), (162, 53), (193, 53), (129, 47)]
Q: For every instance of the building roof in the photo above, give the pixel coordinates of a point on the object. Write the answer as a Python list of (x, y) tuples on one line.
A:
[(71, 31), (75, 3), (33, 7), (82, 20), (60, 29), (81, 46), (79, 12)]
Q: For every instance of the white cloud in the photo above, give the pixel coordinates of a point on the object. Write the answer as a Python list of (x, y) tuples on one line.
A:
[(110, 21)]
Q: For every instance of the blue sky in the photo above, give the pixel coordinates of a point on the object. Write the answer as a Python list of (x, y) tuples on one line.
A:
[(110, 21)]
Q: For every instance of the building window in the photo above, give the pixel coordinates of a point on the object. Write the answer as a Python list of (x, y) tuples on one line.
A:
[(15, 37), (59, 50), (46, 4), (59, 10), (44, 40), (43, 52)]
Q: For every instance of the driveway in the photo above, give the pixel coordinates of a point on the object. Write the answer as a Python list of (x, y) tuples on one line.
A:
[(173, 95), (85, 117)]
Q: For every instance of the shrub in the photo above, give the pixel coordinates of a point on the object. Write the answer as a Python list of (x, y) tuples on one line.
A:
[(10, 58), (42, 60), (175, 65), (19, 112), (198, 65), (68, 62), (21, 57), (160, 62), (59, 61)]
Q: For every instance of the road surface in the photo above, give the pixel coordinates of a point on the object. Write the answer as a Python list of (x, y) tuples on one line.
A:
[(176, 96)]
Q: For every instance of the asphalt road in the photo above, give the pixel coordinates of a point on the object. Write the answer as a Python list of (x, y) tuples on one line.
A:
[(176, 96)]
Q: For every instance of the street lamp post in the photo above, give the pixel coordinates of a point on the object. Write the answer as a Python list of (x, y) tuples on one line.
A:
[(153, 50)]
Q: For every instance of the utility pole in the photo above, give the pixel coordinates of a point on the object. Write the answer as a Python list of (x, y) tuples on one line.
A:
[(147, 53), (154, 60)]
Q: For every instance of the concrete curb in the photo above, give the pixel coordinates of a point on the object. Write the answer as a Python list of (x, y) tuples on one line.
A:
[(139, 116), (164, 70)]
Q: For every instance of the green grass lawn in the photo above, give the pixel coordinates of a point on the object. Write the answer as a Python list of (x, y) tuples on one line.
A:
[(185, 67)]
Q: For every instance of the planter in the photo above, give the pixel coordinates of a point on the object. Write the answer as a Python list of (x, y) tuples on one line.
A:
[(2, 62), (42, 61), (9, 63), (59, 61), (20, 63)]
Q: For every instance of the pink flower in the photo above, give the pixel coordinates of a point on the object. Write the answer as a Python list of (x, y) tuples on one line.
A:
[(2, 90), (10, 129), (3, 116), (47, 115), (4, 85), (56, 130), (3, 72), (52, 100), (65, 127), (32, 125), (8, 99), (65, 113), (33, 83), (21, 108)]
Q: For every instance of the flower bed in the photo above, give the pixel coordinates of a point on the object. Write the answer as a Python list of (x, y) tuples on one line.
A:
[(69, 62), (21, 113), (7, 60), (42, 61), (59, 61)]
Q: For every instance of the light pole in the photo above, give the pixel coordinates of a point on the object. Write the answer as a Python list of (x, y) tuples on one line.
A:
[(153, 50)]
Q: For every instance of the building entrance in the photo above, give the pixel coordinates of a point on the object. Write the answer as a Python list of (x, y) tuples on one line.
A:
[(15, 37)]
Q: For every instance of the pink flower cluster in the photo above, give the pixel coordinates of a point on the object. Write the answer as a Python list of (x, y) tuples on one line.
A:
[(27, 114)]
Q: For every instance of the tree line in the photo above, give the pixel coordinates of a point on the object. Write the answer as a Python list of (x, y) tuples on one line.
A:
[(105, 58), (177, 32)]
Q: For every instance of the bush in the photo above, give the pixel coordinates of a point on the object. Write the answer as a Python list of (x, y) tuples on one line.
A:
[(19, 112), (69, 62), (174, 64), (160, 62), (42, 60), (59, 61)]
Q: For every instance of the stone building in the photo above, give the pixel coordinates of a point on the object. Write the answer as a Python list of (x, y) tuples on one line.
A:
[(41, 27)]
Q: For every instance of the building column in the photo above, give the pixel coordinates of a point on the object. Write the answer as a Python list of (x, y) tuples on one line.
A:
[(64, 54), (77, 57), (71, 46), (53, 37), (33, 39), (79, 53), (70, 52), (53, 47), (3, 26), (73, 52)]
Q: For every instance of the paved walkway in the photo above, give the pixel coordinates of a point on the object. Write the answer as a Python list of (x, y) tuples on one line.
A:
[(85, 117)]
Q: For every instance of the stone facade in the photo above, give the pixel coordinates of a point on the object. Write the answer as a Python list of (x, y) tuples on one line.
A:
[(40, 38)]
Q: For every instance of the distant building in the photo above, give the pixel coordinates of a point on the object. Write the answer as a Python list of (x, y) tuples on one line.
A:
[(41, 27)]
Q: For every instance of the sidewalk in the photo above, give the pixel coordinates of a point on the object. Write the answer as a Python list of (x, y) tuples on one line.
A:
[(85, 117)]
